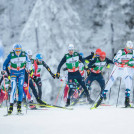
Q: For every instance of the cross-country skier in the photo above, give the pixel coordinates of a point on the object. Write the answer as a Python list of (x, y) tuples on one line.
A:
[(19, 61), (121, 69), (38, 64), (72, 62), (75, 88), (91, 57), (31, 83), (96, 66)]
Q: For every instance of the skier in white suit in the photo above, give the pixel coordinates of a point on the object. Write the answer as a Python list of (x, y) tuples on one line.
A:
[(122, 68)]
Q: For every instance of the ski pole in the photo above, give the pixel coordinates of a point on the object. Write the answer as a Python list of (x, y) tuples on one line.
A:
[(118, 93), (111, 74), (110, 89), (5, 93), (59, 92)]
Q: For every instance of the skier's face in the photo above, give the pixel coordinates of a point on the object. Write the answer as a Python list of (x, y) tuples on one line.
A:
[(102, 58), (17, 53), (71, 52)]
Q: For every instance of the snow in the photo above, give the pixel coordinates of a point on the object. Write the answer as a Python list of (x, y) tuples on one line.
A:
[(81, 120)]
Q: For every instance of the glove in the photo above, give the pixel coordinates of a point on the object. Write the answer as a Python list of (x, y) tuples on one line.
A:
[(9, 77), (86, 61), (86, 67), (88, 72), (108, 66), (92, 53), (58, 75), (3, 72), (34, 77), (115, 61), (53, 75)]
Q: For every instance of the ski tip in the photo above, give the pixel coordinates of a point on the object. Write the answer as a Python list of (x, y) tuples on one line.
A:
[(92, 108)]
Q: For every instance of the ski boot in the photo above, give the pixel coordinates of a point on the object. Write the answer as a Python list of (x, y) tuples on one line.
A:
[(41, 102), (98, 103), (31, 106), (127, 102), (19, 107), (90, 100), (10, 109), (67, 103)]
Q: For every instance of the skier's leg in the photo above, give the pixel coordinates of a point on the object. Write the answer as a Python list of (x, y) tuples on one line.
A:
[(101, 81), (89, 81), (13, 91), (128, 84), (115, 73), (33, 89), (39, 85), (71, 86), (110, 82), (82, 83), (20, 89)]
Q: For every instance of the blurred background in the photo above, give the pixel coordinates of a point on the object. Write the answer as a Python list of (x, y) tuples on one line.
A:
[(48, 26)]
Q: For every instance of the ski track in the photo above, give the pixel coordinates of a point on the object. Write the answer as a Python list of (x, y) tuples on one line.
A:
[(81, 120)]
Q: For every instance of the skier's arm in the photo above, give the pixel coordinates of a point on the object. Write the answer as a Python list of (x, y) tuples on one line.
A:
[(117, 57), (81, 59), (108, 61), (47, 67), (61, 63), (89, 57), (6, 62), (91, 64)]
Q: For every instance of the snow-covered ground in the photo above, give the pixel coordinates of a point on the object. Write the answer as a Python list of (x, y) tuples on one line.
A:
[(81, 120)]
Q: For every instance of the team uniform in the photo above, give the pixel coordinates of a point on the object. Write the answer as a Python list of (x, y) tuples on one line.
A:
[(17, 73), (122, 68), (96, 66), (36, 68), (72, 64), (75, 88)]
